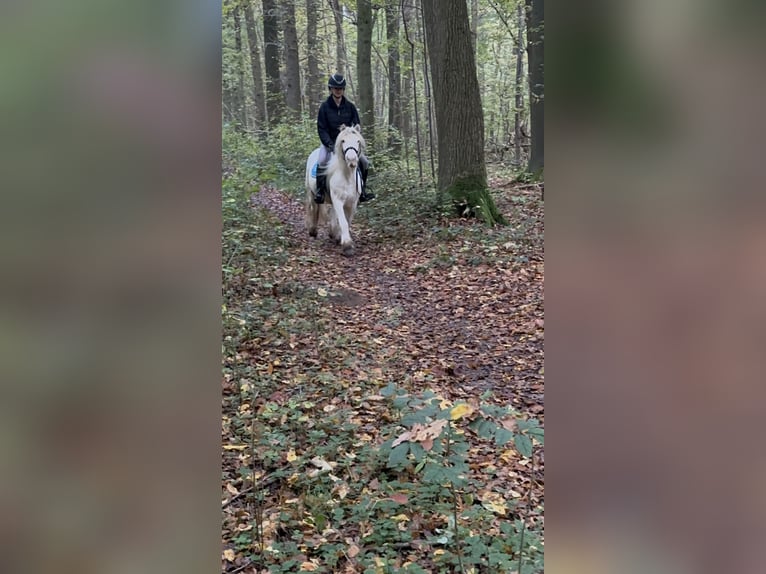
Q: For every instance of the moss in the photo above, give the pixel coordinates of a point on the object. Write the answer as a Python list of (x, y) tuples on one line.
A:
[(471, 198)]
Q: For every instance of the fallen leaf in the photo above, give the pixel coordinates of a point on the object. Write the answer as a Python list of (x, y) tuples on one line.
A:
[(229, 555), (341, 490), (399, 498), (507, 455), (494, 502), (404, 437), (460, 411), (322, 466), (509, 424)]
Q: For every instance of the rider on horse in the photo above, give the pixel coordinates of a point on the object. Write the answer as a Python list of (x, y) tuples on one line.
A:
[(335, 111)]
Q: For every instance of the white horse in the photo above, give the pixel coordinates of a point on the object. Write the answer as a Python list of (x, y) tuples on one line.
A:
[(345, 185)]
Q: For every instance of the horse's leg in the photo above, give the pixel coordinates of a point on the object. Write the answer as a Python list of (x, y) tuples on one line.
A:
[(312, 212), (345, 236), (333, 224), (350, 208)]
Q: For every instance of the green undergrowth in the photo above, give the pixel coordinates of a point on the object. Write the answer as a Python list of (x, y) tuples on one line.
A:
[(330, 489), (414, 216), (329, 465)]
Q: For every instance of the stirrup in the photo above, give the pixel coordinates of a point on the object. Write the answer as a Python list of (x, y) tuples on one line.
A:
[(366, 196), (319, 196)]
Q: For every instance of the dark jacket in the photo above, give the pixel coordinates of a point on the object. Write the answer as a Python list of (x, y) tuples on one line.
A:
[(331, 117)]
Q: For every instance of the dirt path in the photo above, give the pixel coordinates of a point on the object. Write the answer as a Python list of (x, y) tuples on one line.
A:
[(316, 347), (461, 329)]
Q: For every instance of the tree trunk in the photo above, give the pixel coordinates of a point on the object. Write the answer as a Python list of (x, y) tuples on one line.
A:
[(314, 91), (274, 99), (519, 97), (340, 49), (475, 28), (459, 117), (229, 81), (364, 69), (240, 101), (292, 66), (535, 41), (432, 137), (259, 98), (408, 18), (394, 77)]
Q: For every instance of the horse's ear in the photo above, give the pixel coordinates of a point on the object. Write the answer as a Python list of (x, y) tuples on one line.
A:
[(342, 127), (358, 128)]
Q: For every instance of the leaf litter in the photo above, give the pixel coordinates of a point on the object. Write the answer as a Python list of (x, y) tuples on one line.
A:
[(314, 337)]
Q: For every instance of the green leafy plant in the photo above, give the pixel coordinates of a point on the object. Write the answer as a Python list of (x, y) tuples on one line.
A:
[(436, 447)]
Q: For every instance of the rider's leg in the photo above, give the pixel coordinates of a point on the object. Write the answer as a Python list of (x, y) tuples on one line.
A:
[(364, 167), (323, 160)]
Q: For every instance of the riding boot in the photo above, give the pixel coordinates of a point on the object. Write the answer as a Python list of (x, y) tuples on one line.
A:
[(321, 186), (365, 195)]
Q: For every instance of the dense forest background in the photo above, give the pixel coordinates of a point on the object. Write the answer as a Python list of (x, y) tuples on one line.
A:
[(277, 57)]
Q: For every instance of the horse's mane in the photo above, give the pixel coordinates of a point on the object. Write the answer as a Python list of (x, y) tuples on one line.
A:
[(337, 159)]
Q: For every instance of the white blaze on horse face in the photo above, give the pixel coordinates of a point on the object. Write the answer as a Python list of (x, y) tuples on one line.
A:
[(351, 152)]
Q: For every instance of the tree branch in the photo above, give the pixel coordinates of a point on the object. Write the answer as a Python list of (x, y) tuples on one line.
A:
[(502, 18)]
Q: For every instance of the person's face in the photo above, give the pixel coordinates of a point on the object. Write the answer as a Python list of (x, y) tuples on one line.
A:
[(337, 93)]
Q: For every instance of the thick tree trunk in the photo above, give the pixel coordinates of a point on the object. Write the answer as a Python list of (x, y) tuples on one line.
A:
[(259, 98), (535, 41), (459, 117), (292, 66), (274, 99), (314, 84), (366, 103)]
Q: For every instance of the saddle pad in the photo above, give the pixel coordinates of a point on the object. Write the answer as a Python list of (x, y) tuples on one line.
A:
[(314, 170)]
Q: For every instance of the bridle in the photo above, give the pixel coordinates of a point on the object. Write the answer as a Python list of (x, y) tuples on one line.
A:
[(349, 148)]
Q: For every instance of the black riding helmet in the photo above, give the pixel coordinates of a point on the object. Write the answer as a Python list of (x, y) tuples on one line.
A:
[(336, 81)]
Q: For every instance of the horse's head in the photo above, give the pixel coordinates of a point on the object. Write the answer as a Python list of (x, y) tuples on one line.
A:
[(349, 145)]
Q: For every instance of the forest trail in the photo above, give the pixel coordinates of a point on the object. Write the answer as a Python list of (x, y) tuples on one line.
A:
[(461, 330), (328, 359)]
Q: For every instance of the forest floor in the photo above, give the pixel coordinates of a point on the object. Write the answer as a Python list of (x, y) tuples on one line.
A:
[(328, 360)]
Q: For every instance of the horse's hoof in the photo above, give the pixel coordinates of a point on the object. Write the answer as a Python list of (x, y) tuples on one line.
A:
[(347, 251), (313, 232)]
